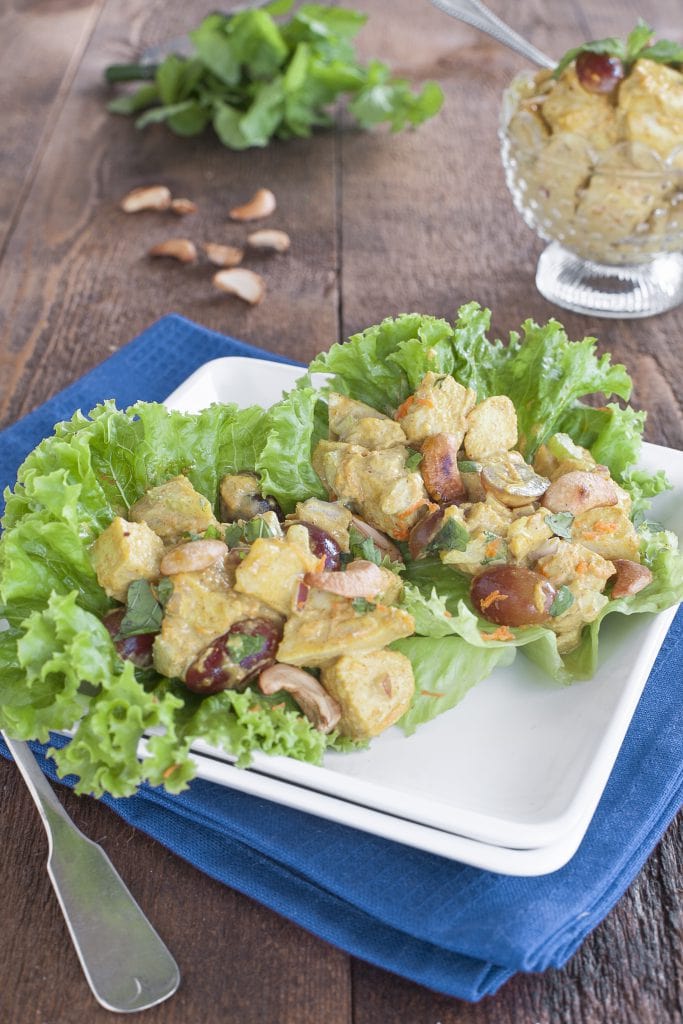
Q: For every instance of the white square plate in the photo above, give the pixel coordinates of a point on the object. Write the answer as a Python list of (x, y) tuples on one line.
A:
[(509, 779)]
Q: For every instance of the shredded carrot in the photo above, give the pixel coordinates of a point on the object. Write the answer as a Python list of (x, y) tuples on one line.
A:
[(412, 508), (491, 549), (600, 527), (401, 534), (404, 407), (502, 633), (169, 771), (493, 598), (430, 693), (447, 614), (582, 567)]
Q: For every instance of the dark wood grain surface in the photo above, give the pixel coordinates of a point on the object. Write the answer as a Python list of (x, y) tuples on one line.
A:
[(379, 224)]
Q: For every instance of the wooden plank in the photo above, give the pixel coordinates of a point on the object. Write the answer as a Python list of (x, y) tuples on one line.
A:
[(42, 45)]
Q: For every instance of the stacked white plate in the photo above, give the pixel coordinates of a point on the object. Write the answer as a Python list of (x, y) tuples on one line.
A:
[(510, 778)]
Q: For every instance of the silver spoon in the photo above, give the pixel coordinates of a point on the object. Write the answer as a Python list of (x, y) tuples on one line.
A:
[(124, 961), (479, 16)]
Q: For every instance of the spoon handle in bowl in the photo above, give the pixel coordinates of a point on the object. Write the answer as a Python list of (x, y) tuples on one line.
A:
[(474, 13), (124, 961)]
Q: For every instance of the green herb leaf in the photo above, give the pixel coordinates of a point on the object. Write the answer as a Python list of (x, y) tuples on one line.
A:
[(163, 590), (233, 535), (564, 599), (452, 536), (243, 645), (638, 38), (413, 461), (362, 606), (255, 528), (467, 466), (561, 524), (663, 52), (143, 611)]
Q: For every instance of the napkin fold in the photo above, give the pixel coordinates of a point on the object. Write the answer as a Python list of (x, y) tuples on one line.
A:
[(453, 928)]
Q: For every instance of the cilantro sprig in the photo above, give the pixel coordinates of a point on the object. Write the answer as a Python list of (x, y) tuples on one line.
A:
[(638, 45), (254, 79)]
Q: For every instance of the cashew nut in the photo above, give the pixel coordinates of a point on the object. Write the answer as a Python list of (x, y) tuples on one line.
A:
[(578, 492), (439, 468), (361, 579), (315, 702), (261, 204), (380, 540), (181, 249), (223, 255), (149, 197), (631, 577), (183, 206), (245, 284), (269, 238), (192, 557)]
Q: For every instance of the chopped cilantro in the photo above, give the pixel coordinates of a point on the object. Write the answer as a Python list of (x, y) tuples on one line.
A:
[(143, 612), (361, 605), (564, 599), (163, 590), (561, 524), (241, 646), (256, 528), (466, 466), (452, 536)]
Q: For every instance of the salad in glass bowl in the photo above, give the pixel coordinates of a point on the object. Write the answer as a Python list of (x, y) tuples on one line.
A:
[(275, 579), (593, 154)]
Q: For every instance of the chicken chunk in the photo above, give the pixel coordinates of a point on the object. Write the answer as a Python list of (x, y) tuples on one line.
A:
[(376, 485), (173, 510), (527, 534), (358, 423), (607, 531), (330, 516), (651, 106), (491, 428), (570, 108), (125, 552), (373, 689), (199, 610), (273, 569), (439, 406), (329, 626)]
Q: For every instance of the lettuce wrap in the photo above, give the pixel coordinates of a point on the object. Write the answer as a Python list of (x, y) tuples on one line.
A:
[(59, 669)]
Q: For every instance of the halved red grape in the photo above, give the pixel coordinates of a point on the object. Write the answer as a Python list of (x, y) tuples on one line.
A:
[(511, 595), (137, 649), (598, 72), (323, 545), (232, 659)]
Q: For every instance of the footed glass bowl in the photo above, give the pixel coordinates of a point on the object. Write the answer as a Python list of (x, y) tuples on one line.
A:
[(613, 214)]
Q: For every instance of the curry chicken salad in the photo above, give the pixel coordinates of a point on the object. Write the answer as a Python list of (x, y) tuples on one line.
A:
[(285, 603), (295, 580)]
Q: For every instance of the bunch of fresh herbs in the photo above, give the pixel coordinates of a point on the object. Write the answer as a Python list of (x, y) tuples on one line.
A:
[(254, 79)]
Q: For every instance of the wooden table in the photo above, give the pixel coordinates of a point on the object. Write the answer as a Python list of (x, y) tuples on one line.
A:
[(379, 224)]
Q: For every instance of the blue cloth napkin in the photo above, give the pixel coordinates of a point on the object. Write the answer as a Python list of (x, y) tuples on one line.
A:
[(456, 929)]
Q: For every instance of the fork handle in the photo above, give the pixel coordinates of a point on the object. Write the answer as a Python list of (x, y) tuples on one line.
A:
[(475, 13), (125, 962)]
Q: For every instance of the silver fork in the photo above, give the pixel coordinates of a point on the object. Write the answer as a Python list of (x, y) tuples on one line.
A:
[(124, 961), (474, 13)]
